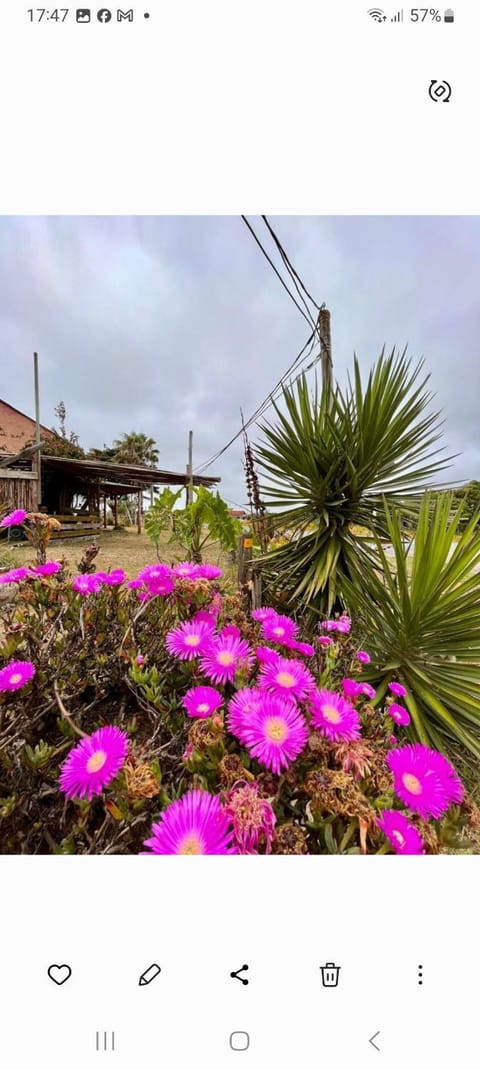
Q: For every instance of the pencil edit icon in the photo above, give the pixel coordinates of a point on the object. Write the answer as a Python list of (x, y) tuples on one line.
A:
[(149, 975)]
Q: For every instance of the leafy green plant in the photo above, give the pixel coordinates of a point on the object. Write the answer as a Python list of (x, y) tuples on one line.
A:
[(160, 515), (422, 618), (205, 521), (335, 462)]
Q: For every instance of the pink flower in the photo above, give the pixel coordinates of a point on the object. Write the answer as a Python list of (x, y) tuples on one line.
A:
[(115, 577), (16, 674), (403, 836), (48, 569), (286, 677), (265, 654), (157, 579), (17, 517), (351, 688), (397, 689), (16, 575), (276, 628), (140, 660), (135, 584), (209, 572), (362, 656), (263, 613), (252, 817), (186, 570), (241, 708), (323, 640), (334, 717), (223, 656), (205, 618), (202, 701), (230, 629), (398, 713), (93, 763), (368, 690), (188, 640), (424, 780), (86, 585), (275, 732), (196, 824), (301, 648)]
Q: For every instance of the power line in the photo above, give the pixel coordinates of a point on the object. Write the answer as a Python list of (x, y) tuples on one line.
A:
[(307, 316), (297, 281), (265, 404)]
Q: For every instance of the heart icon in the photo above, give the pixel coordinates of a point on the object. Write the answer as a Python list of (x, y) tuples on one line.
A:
[(59, 974)]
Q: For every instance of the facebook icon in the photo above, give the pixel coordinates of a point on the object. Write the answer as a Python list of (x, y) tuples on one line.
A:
[(125, 16), (104, 15)]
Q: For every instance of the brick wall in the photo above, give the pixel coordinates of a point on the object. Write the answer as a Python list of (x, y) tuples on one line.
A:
[(16, 429)]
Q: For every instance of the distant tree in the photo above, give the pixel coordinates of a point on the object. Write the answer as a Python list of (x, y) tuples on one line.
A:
[(105, 454), (65, 443), (136, 448)]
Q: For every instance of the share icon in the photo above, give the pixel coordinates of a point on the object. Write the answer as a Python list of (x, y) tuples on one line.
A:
[(236, 973)]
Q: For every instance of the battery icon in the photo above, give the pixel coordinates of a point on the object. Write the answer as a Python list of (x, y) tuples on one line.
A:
[(449, 15)]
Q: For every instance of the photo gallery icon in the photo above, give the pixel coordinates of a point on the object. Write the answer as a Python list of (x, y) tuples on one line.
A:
[(84, 14)]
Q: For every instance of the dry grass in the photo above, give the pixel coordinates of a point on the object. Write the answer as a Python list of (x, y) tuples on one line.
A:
[(118, 549)]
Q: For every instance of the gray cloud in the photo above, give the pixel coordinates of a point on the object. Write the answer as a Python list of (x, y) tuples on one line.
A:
[(162, 324)]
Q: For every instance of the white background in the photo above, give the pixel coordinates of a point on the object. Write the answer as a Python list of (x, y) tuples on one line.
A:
[(217, 107)]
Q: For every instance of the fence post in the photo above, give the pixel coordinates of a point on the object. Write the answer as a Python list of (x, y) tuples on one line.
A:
[(244, 566)]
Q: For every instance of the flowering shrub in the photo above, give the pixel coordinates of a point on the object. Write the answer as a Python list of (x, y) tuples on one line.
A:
[(153, 716)]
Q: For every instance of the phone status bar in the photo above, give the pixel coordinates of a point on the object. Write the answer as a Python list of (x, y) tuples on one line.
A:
[(85, 15)]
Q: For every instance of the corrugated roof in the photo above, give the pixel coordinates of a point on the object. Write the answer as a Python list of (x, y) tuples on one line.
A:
[(137, 476)]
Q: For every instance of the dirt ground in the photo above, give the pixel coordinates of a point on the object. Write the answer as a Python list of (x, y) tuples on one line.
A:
[(118, 549)]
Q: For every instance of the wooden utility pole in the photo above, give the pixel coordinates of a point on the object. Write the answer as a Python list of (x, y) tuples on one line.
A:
[(37, 429), (323, 324), (190, 469)]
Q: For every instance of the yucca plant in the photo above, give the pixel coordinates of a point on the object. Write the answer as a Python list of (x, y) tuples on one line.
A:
[(333, 460), (421, 621)]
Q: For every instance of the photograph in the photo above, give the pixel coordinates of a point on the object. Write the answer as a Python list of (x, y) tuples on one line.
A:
[(239, 535)]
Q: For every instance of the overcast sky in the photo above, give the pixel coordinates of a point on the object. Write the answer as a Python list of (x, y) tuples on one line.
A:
[(165, 324)]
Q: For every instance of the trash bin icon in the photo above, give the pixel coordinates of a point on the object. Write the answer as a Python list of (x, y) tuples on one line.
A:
[(330, 974)]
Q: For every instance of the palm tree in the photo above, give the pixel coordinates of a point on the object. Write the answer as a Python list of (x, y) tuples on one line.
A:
[(136, 448), (333, 462)]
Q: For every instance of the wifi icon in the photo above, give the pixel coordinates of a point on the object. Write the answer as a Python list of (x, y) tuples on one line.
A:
[(377, 14)]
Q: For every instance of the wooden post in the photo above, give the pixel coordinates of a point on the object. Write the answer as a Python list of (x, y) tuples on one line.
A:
[(190, 469), (244, 560), (139, 513), (115, 511), (323, 324), (104, 511), (37, 430)]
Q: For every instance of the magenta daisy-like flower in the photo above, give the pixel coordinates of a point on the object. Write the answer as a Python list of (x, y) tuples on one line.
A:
[(202, 701), (230, 629), (252, 817), (263, 613), (196, 824), (206, 618), (368, 690), (278, 629), (16, 674), (287, 677), (397, 689), (265, 654), (186, 570), (362, 656), (157, 579), (275, 733), (16, 575), (93, 763), (334, 717), (351, 688), (424, 780), (241, 708), (188, 640), (115, 577), (17, 517), (344, 624), (135, 584), (86, 585), (223, 656), (301, 648), (208, 572), (324, 640), (48, 569), (404, 837), (398, 713)]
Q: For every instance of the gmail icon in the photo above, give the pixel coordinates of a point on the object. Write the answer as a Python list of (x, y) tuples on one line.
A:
[(125, 16)]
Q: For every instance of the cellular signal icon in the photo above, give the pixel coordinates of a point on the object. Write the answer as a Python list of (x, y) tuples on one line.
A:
[(377, 14), (398, 17)]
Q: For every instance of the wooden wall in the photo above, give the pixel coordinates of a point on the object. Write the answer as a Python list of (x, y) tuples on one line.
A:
[(18, 491)]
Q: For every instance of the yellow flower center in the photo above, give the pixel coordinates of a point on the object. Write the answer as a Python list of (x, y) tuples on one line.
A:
[(225, 657), (412, 783), (397, 836), (278, 631), (285, 679), (190, 845), (203, 707), (192, 640), (276, 730), (96, 761), (15, 678), (331, 714)]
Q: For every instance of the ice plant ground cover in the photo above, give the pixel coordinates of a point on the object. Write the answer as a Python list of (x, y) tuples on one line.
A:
[(154, 715)]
